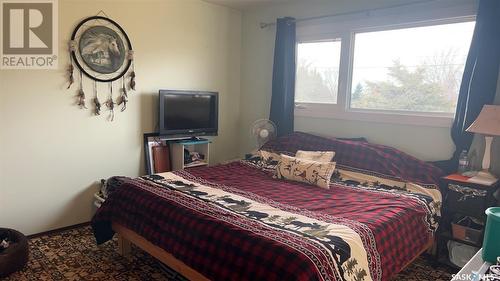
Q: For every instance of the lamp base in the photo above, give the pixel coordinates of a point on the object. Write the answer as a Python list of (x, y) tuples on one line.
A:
[(483, 177)]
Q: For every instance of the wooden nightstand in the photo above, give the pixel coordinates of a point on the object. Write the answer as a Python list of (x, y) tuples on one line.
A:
[(462, 198)]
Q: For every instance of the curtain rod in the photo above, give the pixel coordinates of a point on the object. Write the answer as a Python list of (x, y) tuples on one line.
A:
[(368, 11)]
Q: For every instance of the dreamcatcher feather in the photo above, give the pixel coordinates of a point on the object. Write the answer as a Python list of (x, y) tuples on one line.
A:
[(132, 74), (111, 104), (71, 78), (97, 103), (70, 75), (123, 97), (81, 95)]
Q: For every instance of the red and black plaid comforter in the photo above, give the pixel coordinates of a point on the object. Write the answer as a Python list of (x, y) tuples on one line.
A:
[(363, 156), (223, 251)]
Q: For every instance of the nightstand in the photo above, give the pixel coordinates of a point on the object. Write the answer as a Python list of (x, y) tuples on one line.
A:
[(462, 199)]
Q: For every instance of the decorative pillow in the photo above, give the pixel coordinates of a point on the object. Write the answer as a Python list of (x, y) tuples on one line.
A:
[(320, 156), (308, 171), (269, 156), (264, 160), (269, 160)]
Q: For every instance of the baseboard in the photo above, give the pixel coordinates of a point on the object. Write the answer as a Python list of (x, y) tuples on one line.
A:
[(57, 230)]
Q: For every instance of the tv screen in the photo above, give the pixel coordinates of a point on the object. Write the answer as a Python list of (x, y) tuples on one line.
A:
[(188, 113)]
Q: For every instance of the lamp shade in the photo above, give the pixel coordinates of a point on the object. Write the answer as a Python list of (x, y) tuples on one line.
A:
[(488, 121)]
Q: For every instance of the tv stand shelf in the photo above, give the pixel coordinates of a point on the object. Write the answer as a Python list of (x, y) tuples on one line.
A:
[(178, 147), (174, 152)]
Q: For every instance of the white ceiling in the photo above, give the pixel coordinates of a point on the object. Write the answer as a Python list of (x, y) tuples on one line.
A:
[(246, 4)]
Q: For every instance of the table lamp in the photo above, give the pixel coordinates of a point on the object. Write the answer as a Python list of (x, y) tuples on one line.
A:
[(487, 124)]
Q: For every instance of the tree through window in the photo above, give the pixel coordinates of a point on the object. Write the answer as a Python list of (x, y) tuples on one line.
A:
[(412, 69)]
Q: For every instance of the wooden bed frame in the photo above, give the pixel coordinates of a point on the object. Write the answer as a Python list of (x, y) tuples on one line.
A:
[(127, 236)]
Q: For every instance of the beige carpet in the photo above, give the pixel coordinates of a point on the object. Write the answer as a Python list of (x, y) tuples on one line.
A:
[(73, 255)]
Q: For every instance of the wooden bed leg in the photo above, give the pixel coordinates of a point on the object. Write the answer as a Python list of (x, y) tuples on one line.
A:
[(124, 246)]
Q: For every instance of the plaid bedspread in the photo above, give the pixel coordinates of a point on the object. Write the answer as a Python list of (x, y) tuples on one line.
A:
[(391, 225)]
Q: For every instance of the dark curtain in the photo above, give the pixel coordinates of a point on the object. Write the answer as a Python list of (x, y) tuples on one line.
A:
[(480, 77), (283, 95)]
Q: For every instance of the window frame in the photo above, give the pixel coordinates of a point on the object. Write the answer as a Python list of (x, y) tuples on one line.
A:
[(320, 41), (345, 29), (337, 39)]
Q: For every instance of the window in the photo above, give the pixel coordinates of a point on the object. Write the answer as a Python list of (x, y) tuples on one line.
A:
[(317, 72), (412, 69), (384, 69)]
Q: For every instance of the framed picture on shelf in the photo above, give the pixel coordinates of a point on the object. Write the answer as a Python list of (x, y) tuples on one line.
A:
[(148, 138), (156, 154)]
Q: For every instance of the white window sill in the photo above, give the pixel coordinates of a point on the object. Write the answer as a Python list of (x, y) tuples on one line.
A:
[(334, 111)]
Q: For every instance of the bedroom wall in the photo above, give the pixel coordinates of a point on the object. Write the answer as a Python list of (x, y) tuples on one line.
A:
[(52, 153), (425, 142)]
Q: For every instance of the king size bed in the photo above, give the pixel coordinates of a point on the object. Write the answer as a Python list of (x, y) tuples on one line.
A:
[(236, 221)]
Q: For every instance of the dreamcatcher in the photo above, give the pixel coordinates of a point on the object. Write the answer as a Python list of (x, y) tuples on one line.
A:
[(102, 51)]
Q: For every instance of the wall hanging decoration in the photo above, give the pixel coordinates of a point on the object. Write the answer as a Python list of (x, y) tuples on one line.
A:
[(101, 50)]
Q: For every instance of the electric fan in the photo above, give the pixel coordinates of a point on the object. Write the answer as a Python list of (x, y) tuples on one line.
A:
[(263, 130)]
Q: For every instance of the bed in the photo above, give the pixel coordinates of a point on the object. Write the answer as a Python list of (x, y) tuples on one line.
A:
[(236, 222)]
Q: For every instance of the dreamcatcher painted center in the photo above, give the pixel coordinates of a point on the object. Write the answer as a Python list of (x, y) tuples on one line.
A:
[(102, 49)]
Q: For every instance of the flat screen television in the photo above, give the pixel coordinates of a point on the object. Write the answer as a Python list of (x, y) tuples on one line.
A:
[(188, 113)]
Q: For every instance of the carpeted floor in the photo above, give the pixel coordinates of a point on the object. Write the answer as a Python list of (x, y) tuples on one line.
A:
[(73, 255)]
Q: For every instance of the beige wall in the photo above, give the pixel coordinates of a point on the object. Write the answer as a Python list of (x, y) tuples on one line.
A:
[(52, 153), (425, 142)]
